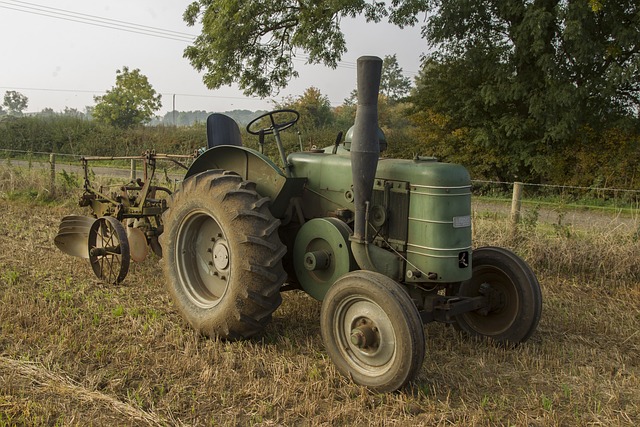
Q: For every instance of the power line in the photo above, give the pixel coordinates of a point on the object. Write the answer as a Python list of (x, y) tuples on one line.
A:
[(52, 90), (102, 91), (130, 27), (99, 22), (99, 18)]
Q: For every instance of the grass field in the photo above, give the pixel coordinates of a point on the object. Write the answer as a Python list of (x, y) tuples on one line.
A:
[(74, 351)]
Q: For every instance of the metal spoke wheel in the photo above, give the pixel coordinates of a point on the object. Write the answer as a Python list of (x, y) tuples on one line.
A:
[(515, 299), (222, 255), (372, 331), (109, 250)]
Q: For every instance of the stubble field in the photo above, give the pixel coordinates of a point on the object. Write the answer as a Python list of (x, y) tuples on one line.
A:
[(75, 351)]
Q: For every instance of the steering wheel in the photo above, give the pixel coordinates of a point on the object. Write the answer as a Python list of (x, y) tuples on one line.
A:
[(275, 126)]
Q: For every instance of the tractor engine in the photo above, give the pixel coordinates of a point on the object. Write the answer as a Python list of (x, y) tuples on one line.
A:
[(409, 219), (419, 215)]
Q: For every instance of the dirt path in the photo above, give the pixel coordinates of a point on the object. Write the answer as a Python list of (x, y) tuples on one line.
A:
[(581, 218)]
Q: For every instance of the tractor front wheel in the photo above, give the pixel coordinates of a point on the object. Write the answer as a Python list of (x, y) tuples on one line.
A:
[(372, 331), (222, 255), (513, 292)]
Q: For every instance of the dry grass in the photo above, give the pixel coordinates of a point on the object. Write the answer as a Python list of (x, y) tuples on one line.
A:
[(74, 351)]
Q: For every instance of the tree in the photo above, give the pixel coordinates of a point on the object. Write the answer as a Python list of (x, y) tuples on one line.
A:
[(15, 102), (526, 76), (393, 83), (517, 77), (72, 112), (314, 108), (132, 101), (254, 43)]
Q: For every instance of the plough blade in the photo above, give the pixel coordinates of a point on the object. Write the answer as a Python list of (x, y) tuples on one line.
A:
[(73, 234)]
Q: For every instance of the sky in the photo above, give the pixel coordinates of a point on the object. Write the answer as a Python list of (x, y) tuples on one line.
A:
[(60, 63)]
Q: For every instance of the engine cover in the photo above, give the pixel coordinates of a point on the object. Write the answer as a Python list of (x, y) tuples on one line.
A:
[(420, 209)]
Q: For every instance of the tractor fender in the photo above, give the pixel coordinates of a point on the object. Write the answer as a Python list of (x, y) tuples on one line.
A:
[(251, 166)]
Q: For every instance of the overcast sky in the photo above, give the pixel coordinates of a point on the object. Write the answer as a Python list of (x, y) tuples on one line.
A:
[(60, 63)]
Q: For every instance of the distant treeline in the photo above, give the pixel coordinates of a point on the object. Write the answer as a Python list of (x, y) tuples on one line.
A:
[(609, 159), (190, 118), (170, 118), (74, 134)]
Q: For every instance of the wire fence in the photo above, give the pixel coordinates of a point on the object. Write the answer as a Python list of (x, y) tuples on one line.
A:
[(565, 196), (552, 196)]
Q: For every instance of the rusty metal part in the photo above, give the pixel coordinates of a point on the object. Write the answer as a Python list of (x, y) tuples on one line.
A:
[(108, 249)]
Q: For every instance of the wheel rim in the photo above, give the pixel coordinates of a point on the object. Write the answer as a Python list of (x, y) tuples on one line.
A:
[(203, 259), (108, 250), (365, 335), (504, 301)]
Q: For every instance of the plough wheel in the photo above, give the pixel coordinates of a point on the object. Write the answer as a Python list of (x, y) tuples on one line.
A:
[(109, 250)]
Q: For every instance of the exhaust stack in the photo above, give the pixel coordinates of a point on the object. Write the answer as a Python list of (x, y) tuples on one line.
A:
[(365, 147)]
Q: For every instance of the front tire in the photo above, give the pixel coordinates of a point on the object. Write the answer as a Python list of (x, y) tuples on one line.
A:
[(222, 255), (514, 294), (372, 331)]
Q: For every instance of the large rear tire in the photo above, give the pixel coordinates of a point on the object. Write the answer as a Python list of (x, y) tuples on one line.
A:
[(222, 255), (514, 295), (372, 331)]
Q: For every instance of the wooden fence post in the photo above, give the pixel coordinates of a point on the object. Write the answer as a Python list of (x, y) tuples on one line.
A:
[(52, 181), (133, 169), (516, 203)]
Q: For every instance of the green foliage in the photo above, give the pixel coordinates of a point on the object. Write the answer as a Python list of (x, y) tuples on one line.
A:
[(314, 108), (526, 77), (15, 102), (393, 83), (253, 43), (73, 135), (510, 88), (132, 101)]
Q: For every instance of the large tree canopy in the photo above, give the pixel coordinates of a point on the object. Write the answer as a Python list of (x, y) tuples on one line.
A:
[(526, 76), (592, 44), (254, 43)]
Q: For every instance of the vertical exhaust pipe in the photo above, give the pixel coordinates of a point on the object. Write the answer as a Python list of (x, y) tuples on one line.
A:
[(365, 147)]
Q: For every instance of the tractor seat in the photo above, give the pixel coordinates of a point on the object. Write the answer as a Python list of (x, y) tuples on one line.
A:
[(222, 130)]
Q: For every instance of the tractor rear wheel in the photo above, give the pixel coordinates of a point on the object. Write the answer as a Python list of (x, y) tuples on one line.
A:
[(222, 255), (372, 330), (515, 299)]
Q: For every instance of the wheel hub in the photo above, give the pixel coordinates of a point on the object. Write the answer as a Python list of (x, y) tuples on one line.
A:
[(322, 254), (495, 296), (365, 336), (220, 255)]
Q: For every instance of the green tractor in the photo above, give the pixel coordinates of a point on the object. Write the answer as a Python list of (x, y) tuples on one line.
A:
[(385, 244)]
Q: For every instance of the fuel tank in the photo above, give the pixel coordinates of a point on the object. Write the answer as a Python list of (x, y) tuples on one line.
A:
[(420, 209)]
